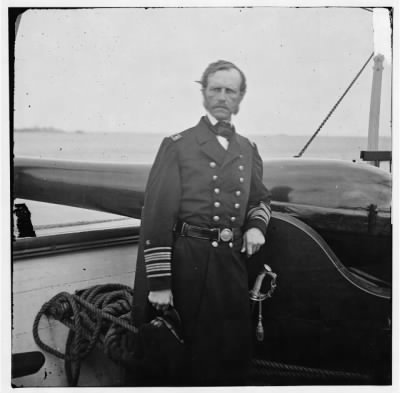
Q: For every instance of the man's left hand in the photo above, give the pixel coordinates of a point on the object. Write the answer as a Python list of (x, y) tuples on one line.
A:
[(253, 239)]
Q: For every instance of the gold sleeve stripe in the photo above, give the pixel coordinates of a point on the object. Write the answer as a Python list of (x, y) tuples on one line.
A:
[(157, 249), (158, 256), (153, 268), (261, 212), (159, 275)]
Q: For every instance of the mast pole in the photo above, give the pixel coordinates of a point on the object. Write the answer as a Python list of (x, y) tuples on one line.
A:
[(375, 105)]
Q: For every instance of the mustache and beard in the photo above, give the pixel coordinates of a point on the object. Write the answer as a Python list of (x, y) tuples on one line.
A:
[(232, 109)]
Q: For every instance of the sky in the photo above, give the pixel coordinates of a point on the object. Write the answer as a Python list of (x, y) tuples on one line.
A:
[(134, 69)]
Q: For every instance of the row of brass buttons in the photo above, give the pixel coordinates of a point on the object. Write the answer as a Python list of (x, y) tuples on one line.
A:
[(237, 193), (217, 218), (217, 191), (218, 204), (215, 244), (214, 165)]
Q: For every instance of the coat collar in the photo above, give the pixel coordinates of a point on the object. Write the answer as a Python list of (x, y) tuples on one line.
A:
[(212, 148)]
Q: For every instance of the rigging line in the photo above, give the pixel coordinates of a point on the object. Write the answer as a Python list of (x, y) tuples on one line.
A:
[(334, 108)]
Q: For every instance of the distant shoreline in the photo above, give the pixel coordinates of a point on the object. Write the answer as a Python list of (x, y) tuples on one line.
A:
[(51, 130), (40, 130)]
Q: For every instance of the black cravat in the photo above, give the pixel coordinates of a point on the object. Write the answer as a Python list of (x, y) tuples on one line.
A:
[(224, 129)]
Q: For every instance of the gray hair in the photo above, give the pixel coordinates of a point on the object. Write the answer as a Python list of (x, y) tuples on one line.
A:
[(219, 66)]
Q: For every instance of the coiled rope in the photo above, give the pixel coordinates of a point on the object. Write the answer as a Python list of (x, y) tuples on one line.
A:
[(99, 314)]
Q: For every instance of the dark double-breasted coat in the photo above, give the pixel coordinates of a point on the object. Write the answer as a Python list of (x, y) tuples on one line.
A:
[(195, 180)]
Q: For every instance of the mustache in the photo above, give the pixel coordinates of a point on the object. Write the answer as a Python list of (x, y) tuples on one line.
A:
[(220, 107)]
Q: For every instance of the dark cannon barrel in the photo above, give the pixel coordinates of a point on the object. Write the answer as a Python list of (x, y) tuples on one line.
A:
[(309, 189)]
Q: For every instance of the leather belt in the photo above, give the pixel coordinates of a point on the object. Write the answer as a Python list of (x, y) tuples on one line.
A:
[(214, 234)]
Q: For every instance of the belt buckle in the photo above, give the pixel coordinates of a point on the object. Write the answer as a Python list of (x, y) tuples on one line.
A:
[(226, 235)]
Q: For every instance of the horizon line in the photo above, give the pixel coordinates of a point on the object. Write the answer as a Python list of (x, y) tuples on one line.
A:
[(61, 131)]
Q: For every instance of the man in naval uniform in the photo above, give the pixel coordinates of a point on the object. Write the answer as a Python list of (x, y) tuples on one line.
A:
[(206, 210)]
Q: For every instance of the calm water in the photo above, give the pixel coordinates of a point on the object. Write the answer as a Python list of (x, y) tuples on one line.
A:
[(122, 147)]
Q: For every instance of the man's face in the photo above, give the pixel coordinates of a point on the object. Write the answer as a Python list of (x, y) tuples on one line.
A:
[(222, 95)]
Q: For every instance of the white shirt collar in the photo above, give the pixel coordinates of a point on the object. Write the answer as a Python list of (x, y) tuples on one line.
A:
[(214, 121)]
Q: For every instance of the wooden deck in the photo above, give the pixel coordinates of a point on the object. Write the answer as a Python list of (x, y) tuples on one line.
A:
[(37, 279)]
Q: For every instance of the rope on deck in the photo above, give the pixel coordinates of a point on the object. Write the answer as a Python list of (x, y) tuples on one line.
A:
[(99, 314), (266, 368)]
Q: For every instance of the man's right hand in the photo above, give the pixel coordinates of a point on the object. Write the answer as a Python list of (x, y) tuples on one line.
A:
[(161, 300)]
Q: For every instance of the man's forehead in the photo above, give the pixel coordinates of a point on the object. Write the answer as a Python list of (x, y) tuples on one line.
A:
[(229, 76)]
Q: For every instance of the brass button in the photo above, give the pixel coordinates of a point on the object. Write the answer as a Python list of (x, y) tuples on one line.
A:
[(238, 193), (241, 180), (214, 244), (217, 204), (148, 242), (215, 177), (230, 244), (237, 205), (233, 219), (241, 167), (216, 218), (213, 164), (217, 190)]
